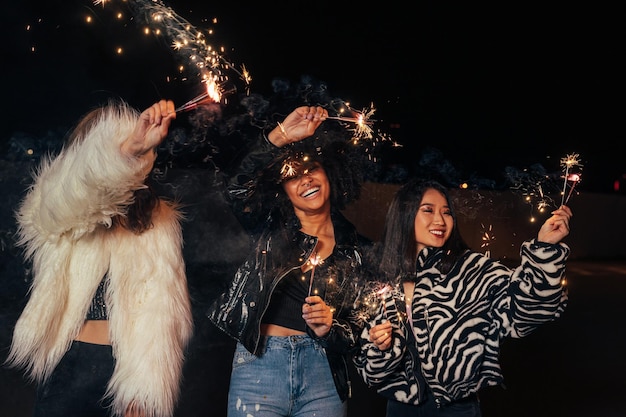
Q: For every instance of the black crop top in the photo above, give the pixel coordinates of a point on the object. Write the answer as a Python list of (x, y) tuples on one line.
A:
[(98, 308), (285, 308)]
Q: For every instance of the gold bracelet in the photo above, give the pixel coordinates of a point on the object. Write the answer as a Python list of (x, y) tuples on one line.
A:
[(282, 131)]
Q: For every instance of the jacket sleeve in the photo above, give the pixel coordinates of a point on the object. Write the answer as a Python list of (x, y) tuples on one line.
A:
[(151, 337), (535, 294), (84, 186), (375, 366)]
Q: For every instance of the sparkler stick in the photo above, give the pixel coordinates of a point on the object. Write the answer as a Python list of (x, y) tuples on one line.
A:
[(381, 293), (564, 184), (192, 104), (349, 119), (362, 121), (212, 92), (570, 161), (314, 260), (575, 179)]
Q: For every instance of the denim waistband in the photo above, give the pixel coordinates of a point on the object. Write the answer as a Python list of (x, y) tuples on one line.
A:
[(300, 340)]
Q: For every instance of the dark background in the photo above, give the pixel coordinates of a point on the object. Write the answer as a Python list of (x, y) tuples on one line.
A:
[(490, 84)]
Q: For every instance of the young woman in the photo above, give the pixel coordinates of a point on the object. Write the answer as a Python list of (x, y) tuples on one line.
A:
[(108, 319), (289, 303), (430, 351)]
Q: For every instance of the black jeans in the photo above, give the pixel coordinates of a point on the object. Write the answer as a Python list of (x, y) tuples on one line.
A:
[(466, 407), (78, 383)]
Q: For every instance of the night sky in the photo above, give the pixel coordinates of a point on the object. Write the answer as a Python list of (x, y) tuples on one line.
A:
[(488, 85)]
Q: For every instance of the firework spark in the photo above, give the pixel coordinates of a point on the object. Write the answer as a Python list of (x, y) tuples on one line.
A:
[(487, 238), (362, 121), (373, 299), (536, 185), (205, 61)]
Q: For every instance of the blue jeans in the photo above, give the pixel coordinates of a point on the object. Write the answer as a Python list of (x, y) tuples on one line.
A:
[(467, 407), (290, 378)]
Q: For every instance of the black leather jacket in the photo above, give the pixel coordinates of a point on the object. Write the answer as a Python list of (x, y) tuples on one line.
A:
[(281, 248)]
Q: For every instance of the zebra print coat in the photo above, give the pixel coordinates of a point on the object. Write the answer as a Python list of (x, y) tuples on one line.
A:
[(459, 321)]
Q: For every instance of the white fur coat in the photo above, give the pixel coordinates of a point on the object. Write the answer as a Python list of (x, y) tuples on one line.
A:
[(65, 229)]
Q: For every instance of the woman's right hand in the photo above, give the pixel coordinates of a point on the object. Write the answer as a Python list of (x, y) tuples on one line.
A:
[(299, 124), (151, 128), (381, 335)]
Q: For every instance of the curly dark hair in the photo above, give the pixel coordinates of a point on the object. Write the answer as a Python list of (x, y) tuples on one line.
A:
[(345, 161)]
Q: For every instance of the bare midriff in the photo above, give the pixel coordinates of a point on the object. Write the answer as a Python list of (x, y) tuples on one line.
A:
[(275, 330), (95, 331)]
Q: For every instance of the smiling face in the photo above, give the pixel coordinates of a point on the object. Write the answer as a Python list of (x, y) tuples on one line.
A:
[(308, 188), (433, 220)]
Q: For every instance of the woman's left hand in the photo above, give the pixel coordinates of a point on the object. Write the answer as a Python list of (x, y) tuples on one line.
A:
[(317, 315), (556, 227)]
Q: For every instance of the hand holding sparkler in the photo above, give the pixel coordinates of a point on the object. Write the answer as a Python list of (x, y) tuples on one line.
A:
[(317, 315), (150, 130), (381, 335), (298, 125), (556, 227)]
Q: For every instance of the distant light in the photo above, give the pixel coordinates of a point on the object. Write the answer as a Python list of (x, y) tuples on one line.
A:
[(464, 185), (30, 152), (119, 50)]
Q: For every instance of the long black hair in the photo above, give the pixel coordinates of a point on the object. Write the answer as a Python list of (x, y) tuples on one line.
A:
[(398, 248)]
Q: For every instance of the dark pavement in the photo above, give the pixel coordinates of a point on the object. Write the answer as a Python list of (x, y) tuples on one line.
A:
[(573, 367)]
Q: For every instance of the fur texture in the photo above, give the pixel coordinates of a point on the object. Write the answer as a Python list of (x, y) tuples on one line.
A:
[(65, 228)]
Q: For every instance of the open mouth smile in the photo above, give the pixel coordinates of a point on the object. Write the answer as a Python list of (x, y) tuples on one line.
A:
[(310, 192)]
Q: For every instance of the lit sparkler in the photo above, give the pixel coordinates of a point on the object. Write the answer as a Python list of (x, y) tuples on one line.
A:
[(569, 163), (212, 94), (487, 238), (314, 261), (361, 120), (190, 43), (373, 299)]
